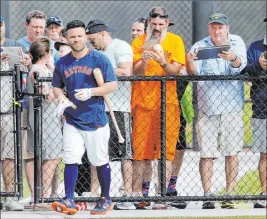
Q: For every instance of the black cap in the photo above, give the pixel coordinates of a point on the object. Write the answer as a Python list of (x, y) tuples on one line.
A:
[(96, 26), (59, 43), (218, 18), (265, 20), (54, 20)]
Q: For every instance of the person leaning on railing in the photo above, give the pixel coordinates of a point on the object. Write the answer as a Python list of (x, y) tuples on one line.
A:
[(220, 104), (257, 65)]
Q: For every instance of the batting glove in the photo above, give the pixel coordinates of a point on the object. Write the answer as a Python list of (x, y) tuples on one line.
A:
[(83, 94), (64, 103)]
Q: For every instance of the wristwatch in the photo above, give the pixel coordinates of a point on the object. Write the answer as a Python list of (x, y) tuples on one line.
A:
[(164, 65)]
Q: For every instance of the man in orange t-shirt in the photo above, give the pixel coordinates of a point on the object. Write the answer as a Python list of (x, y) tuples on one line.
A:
[(150, 61)]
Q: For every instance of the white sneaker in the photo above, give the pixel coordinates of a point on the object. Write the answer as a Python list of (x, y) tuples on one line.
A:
[(11, 204), (260, 204), (124, 206)]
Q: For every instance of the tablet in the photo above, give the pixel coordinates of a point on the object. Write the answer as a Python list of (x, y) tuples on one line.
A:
[(211, 52), (10, 56)]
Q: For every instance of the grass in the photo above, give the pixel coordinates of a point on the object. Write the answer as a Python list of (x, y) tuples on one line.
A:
[(249, 184)]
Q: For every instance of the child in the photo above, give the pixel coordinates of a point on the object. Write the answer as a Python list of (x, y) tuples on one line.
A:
[(63, 48)]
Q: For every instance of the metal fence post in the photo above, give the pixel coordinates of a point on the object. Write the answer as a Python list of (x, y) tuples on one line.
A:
[(37, 100), (18, 138), (163, 137)]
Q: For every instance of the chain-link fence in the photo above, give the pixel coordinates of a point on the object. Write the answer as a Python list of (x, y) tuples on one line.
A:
[(48, 145), (189, 182)]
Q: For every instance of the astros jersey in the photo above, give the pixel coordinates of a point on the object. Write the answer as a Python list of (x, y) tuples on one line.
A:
[(72, 74)]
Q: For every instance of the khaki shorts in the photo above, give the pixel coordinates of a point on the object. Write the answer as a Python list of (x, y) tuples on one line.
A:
[(220, 134)]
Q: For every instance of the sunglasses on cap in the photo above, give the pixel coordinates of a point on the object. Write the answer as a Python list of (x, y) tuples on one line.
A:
[(154, 15), (54, 18), (140, 20)]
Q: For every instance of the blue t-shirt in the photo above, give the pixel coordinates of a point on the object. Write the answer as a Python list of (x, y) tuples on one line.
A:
[(72, 74)]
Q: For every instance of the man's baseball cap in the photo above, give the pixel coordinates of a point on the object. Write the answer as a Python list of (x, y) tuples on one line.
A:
[(218, 18), (1, 20), (265, 20), (59, 43), (96, 26), (54, 20)]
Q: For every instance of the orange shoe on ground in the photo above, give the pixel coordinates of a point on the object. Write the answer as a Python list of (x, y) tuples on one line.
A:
[(66, 206)]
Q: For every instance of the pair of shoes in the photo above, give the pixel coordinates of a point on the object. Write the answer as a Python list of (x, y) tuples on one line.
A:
[(171, 192), (159, 206), (124, 206), (228, 205), (208, 205), (102, 207), (260, 204), (179, 204), (142, 205), (66, 206), (10, 204)]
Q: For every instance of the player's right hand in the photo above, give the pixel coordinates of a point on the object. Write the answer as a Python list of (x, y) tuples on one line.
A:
[(64, 103)]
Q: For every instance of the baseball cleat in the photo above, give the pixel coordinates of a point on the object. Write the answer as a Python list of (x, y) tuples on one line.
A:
[(102, 207), (66, 206)]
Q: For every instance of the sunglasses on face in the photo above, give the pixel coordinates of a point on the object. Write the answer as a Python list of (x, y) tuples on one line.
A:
[(140, 20), (154, 15)]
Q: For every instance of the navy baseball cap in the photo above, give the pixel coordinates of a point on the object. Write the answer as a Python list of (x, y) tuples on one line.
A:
[(54, 20), (1, 19), (59, 43), (218, 18), (96, 26)]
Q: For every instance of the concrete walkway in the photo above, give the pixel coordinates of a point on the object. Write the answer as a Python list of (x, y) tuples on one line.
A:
[(193, 210)]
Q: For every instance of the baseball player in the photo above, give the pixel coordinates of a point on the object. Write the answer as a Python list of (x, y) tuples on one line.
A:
[(86, 123)]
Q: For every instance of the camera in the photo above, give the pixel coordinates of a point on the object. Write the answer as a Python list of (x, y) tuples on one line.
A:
[(265, 54)]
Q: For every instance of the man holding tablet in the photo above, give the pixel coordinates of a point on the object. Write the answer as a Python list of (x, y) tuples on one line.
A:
[(220, 104)]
